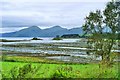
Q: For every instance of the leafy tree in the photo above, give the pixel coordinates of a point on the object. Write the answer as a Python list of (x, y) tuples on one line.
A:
[(96, 23)]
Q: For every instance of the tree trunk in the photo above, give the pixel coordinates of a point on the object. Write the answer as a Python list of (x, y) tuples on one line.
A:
[(108, 53)]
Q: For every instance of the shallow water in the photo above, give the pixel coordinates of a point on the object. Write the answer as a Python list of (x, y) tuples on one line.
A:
[(76, 51), (45, 40)]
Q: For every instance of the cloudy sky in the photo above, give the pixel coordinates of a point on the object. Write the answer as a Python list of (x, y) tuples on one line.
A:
[(19, 14)]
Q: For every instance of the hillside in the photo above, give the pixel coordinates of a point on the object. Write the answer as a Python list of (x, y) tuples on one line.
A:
[(35, 31)]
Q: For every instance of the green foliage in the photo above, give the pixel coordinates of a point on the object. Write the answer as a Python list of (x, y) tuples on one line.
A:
[(54, 71), (63, 72), (111, 16), (26, 71), (94, 25), (14, 72)]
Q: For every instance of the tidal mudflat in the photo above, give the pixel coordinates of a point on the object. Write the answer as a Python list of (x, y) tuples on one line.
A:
[(67, 50)]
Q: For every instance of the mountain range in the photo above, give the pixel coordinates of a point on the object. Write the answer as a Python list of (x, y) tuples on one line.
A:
[(35, 31)]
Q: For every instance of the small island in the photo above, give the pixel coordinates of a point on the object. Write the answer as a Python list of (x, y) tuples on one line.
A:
[(36, 38), (57, 38), (70, 36)]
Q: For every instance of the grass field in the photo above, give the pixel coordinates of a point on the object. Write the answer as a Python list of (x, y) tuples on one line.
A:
[(40, 70)]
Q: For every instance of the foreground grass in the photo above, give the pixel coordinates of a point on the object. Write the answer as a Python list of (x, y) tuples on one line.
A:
[(40, 70)]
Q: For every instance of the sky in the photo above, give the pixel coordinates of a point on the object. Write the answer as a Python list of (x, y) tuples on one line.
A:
[(19, 14)]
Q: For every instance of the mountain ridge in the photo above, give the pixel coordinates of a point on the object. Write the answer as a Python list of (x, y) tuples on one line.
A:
[(35, 31)]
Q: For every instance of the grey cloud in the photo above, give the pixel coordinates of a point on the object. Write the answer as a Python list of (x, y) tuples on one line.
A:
[(30, 13)]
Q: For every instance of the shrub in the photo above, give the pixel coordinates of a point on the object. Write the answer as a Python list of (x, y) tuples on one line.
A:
[(63, 72), (27, 71)]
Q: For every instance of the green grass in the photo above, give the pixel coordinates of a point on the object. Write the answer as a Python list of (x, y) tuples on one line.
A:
[(43, 68), (62, 70)]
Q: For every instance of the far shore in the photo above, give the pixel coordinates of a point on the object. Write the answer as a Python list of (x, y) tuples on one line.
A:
[(5, 40)]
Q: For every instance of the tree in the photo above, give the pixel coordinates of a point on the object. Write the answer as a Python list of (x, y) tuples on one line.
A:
[(96, 23)]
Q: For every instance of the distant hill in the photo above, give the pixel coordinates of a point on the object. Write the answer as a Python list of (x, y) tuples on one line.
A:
[(53, 31), (35, 31), (75, 31)]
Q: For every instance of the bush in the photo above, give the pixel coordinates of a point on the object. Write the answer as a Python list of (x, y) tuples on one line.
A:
[(27, 71), (63, 72)]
